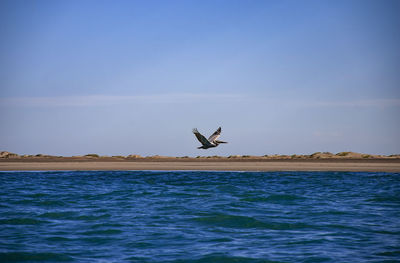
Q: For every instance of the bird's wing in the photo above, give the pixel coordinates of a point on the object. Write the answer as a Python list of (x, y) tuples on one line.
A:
[(215, 135), (200, 137)]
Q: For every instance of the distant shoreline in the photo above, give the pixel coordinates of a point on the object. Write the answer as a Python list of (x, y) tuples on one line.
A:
[(93, 156), (320, 161), (211, 164)]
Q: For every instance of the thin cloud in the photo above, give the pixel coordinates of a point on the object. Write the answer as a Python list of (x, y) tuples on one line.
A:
[(361, 103), (109, 100), (331, 134)]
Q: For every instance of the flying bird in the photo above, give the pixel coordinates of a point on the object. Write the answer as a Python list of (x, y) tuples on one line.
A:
[(212, 140)]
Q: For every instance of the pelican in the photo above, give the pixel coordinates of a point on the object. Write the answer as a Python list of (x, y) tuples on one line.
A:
[(211, 142)]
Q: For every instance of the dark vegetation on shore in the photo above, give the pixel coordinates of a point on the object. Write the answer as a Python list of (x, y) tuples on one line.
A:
[(316, 155)]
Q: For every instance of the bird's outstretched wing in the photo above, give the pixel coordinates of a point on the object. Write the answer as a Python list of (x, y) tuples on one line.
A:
[(215, 135), (200, 137)]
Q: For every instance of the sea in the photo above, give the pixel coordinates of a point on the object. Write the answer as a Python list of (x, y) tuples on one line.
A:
[(192, 216)]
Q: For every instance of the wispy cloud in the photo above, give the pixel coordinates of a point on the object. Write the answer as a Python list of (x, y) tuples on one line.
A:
[(109, 100), (325, 134), (360, 103)]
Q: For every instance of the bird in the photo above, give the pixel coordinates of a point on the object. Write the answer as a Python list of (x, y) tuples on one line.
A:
[(212, 140)]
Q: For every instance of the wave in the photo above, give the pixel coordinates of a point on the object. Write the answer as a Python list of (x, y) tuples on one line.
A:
[(21, 221), (275, 198), (59, 215), (102, 232), (30, 257), (219, 257), (235, 221)]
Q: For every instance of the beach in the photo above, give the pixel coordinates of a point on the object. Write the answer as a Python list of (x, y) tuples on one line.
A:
[(210, 164)]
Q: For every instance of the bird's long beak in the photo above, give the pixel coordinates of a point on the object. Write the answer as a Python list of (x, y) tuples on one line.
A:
[(221, 142)]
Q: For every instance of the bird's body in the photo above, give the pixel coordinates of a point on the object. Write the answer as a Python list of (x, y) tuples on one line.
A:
[(211, 141)]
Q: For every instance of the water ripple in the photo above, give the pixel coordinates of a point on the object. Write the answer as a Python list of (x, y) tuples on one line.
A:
[(142, 216)]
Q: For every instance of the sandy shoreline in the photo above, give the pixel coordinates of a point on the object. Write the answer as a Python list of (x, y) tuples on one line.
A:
[(217, 165)]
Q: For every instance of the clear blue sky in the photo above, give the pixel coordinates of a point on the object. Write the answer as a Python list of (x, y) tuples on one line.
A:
[(134, 77)]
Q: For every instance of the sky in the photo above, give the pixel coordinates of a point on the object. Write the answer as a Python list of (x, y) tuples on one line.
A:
[(134, 77)]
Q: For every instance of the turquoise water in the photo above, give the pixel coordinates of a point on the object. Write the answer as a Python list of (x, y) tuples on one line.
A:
[(137, 216)]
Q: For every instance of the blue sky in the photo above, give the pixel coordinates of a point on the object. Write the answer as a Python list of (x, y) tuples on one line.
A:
[(134, 77)]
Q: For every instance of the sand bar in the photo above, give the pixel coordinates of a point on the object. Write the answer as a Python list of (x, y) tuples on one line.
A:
[(217, 165)]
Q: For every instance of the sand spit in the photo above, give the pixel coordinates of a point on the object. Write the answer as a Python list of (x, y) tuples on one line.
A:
[(378, 165), (344, 161), (93, 156)]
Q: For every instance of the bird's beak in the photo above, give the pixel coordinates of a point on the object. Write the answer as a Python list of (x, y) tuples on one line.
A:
[(221, 142)]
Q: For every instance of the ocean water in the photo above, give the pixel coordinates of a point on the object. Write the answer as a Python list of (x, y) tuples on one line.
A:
[(179, 216)]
